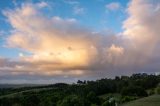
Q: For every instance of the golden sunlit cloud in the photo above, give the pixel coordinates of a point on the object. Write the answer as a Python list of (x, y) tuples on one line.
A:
[(58, 47)]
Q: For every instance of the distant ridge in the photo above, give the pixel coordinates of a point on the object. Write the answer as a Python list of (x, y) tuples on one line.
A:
[(19, 85)]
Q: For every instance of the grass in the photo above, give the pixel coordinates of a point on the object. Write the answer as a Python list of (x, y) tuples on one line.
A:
[(147, 101)]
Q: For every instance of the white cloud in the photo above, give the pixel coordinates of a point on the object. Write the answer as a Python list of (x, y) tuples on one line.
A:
[(57, 19), (21, 54), (42, 4), (142, 26), (114, 50), (78, 10), (113, 6), (71, 2)]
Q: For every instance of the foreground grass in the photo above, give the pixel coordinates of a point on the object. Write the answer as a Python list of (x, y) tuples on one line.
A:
[(147, 101)]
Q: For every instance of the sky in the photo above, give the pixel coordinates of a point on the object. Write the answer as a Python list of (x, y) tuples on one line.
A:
[(50, 41)]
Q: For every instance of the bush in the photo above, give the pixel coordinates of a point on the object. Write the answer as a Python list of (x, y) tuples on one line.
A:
[(158, 90), (151, 92), (127, 99), (134, 91), (106, 103), (31, 100), (92, 98), (72, 100)]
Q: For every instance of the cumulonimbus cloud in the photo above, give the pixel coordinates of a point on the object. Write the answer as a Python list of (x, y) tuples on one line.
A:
[(61, 47)]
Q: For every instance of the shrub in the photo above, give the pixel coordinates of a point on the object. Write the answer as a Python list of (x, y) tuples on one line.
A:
[(158, 90), (106, 103), (151, 92), (134, 91), (127, 99)]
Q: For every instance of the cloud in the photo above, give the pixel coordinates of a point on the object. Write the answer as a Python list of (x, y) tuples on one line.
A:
[(60, 47), (78, 10), (42, 4), (54, 43), (71, 2), (1, 32), (142, 26), (113, 6)]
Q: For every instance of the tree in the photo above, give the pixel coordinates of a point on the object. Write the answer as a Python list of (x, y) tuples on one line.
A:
[(106, 103), (158, 90), (134, 91), (80, 82), (72, 100), (31, 100), (91, 97)]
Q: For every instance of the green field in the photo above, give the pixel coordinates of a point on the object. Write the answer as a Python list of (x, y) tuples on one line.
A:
[(147, 101)]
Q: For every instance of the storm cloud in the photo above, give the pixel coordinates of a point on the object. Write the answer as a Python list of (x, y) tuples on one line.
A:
[(61, 47)]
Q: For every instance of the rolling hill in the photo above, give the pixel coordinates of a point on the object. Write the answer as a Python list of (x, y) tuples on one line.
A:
[(147, 101)]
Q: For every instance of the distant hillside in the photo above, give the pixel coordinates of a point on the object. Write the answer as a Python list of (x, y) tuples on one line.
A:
[(18, 85), (147, 101)]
